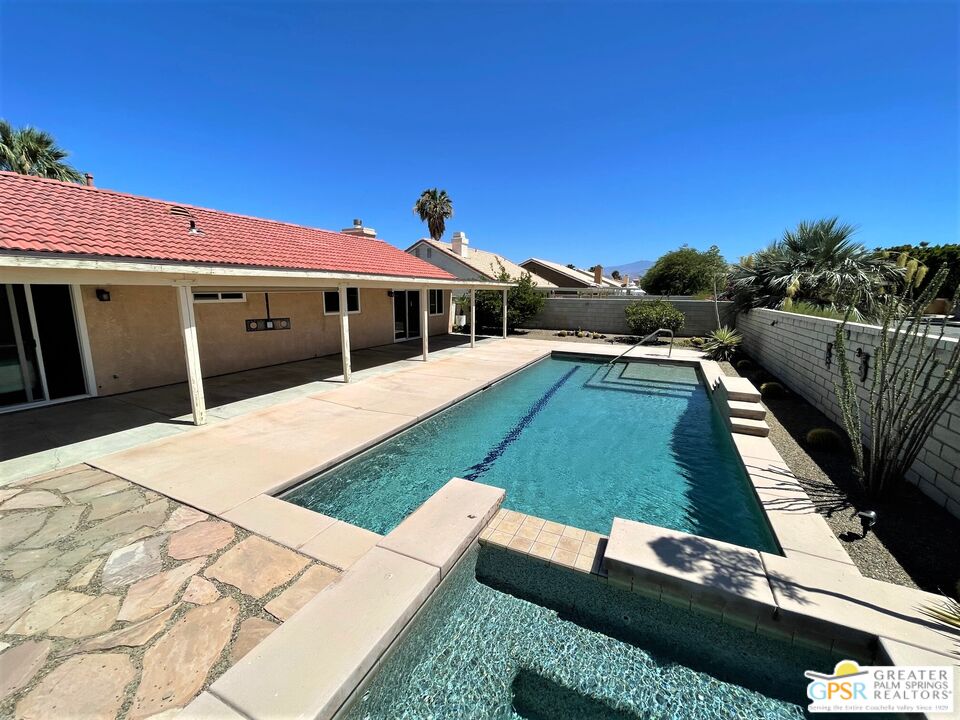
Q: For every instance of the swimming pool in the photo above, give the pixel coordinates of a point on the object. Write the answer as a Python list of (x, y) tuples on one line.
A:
[(571, 440), (508, 637)]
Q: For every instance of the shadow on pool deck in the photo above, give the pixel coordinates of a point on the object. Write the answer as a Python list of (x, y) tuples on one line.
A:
[(32, 431)]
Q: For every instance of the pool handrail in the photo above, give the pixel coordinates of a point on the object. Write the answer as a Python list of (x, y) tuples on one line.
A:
[(655, 333)]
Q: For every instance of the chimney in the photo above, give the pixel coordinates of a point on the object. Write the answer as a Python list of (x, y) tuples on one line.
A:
[(598, 274), (359, 230), (461, 246), (89, 179), (626, 281)]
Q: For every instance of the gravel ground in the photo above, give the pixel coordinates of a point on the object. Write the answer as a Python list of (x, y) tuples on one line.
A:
[(915, 542)]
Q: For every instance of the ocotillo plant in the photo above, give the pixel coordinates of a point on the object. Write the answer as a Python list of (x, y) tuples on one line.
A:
[(911, 387)]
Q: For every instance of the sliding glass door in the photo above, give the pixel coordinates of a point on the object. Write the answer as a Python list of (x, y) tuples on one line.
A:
[(40, 352), (406, 314)]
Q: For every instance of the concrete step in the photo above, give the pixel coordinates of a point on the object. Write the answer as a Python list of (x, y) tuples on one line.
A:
[(738, 388), (748, 426), (741, 409)]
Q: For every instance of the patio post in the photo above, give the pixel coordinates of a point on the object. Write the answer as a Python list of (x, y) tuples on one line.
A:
[(191, 351), (504, 313), (344, 332), (425, 320), (473, 317)]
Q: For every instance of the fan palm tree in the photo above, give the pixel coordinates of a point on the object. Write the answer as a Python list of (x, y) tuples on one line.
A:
[(434, 208), (820, 264), (30, 151)]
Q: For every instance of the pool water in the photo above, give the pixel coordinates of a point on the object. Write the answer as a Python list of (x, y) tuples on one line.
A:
[(538, 642), (571, 440)]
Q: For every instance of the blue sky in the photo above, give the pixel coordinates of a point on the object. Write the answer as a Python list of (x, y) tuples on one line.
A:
[(578, 132)]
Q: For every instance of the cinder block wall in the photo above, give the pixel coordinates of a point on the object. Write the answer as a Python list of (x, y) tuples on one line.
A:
[(793, 347), (608, 315)]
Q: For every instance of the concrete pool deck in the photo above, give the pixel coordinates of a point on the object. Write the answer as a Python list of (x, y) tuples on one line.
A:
[(232, 469)]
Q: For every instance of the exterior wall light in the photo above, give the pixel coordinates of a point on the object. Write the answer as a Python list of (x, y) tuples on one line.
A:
[(103, 295)]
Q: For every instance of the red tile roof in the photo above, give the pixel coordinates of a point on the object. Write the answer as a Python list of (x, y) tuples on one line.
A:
[(48, 216)]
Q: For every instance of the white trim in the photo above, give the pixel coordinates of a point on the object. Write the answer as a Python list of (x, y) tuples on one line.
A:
[(473, 318), (36, 338), (50, 268), (18, 340), (345, 332), (83, 338), (425, 320), (41, 403), (191, 352), (439, 303), (219, 296), (339, 295)]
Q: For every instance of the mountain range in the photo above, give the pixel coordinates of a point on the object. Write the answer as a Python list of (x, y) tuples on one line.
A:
[(633, 269)]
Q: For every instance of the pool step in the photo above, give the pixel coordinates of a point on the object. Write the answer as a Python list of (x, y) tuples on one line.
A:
[(751, 410), (749, 426), (738, 388), (739, 403)]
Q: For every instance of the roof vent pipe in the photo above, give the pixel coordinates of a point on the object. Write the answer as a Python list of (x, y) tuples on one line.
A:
[(89, 179)]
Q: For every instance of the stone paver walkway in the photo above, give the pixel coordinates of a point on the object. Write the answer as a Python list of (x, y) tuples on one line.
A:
[(118, 602)]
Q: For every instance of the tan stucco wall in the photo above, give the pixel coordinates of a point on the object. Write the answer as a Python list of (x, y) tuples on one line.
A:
[(135, 338)]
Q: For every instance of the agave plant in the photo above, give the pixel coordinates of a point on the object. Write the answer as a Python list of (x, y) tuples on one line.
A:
[(946, 614), (820, 265), (722, 343)]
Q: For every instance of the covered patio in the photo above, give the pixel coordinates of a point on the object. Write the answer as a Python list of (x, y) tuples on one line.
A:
[(86, 428)]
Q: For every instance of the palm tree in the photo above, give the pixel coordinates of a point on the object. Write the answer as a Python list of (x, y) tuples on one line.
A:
[(818, 264), (434, 208), (30, 151)]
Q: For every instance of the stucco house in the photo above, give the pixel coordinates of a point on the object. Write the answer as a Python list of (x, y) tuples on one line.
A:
[(463, 261), (566, 277), (103, 292)]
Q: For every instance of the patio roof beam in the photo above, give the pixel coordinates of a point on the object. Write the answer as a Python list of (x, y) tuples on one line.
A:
[(191, 351), (504, 313), (344, 333), (425, 320), (51, 268), (473, 318)]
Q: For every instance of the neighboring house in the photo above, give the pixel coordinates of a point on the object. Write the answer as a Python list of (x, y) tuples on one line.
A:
[(463, 261), (103, 292), (565, 277)]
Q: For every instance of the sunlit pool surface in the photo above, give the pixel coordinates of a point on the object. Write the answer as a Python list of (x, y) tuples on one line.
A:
[(571, 440), (581, 650)]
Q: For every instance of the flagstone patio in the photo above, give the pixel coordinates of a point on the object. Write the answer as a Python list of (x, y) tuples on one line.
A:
[(118, 602)]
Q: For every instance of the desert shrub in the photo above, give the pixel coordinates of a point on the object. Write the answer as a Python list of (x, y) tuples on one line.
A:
[(772, 390), (722, 343), (744, 365), (645, 316), (523, 302), (824, 439)]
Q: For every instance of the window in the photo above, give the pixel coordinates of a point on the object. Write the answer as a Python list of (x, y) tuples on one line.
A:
[(219, 297), (429, 252), (436, 302), (331, 301)]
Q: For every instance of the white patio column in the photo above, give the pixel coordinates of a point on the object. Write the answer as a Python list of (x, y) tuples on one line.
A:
[(473, 317), (191, 351), (344, 333), (504, 313), (425, 320)]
